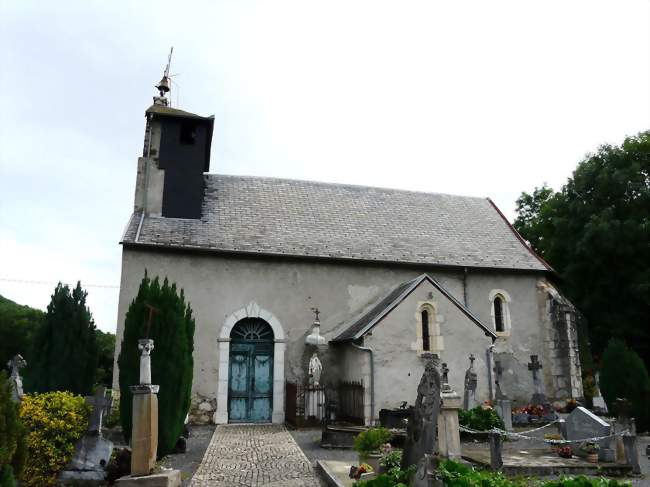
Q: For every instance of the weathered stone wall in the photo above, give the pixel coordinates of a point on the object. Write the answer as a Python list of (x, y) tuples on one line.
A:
[(216, 286)]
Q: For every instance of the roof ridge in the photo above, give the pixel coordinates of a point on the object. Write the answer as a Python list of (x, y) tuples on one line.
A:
[(343, 185)]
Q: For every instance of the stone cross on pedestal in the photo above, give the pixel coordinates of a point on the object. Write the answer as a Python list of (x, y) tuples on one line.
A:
[(498, 372), (144, 434), (471, 380), (14, 365), (534, 366), (100, 405)]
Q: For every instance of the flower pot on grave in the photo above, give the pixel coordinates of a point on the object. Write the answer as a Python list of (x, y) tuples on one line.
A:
[(592, 457), (372, 459)]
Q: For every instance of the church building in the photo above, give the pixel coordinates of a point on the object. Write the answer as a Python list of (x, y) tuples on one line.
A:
[(391, 273)]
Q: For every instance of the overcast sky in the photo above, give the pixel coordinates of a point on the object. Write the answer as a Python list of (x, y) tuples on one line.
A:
[(483, 98)]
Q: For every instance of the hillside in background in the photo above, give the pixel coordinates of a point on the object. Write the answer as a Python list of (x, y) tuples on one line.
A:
[(17, 326)]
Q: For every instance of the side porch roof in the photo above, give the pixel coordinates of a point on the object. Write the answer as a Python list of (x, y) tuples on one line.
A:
[(380, 310)]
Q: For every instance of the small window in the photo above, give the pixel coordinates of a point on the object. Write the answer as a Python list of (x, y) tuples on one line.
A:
[(426, 345), (498, 314), (188, 133)]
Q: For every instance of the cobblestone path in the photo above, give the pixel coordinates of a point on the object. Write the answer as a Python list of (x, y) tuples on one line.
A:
[(254, 455)]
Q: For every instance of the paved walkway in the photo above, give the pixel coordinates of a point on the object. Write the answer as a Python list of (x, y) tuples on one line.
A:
[(254, 455)]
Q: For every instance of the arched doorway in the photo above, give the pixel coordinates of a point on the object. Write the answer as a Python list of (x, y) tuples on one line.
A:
[(250, 375)]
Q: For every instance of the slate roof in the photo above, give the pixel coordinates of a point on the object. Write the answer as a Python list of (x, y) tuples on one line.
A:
[(373, 316), (309, 219)]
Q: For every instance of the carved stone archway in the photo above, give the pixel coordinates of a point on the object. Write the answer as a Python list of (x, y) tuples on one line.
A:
[(252, 310)]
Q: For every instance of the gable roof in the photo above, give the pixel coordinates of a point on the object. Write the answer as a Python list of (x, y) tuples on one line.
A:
[(379, 311), (268, 216)]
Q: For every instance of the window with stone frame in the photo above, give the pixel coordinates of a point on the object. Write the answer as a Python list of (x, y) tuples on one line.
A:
[(428, 328), (500, 311), (426, 342)]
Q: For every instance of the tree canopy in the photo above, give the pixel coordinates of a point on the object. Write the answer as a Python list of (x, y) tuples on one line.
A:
[(595, 232), (17, 326)]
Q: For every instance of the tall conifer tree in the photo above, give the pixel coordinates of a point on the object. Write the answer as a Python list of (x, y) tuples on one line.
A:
[(65, 349), (172, 330)]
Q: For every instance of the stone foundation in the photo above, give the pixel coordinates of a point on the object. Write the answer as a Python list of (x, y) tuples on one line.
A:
[(202, 409)]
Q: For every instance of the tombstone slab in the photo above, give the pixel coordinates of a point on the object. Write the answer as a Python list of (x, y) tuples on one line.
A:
[(582, 424), (167, 478), (471, 381), (448, 428)]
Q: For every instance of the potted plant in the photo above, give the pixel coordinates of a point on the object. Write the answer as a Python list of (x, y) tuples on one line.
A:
[(565, 452), (555, 447), (368, 443), (590, 449)]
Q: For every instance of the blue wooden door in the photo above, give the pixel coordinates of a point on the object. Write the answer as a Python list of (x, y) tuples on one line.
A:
[(250, 390)]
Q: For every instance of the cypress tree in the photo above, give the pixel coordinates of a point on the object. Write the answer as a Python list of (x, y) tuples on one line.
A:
[(172, 330), (623, 375), (64, 349)]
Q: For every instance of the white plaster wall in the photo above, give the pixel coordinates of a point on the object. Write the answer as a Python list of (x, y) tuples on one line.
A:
[(216, 286), (398, 364)]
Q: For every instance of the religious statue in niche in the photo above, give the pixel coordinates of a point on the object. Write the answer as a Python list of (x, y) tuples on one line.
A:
[(315, 369)]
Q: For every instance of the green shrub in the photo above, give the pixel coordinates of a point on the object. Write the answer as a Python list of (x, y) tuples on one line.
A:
[(623, 374), (480, 419), (54, 422), (370, 441), (172, 330), (12, 436), (455, 474)]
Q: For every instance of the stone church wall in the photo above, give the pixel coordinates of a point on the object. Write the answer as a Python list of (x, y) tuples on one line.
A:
[(217, 286)]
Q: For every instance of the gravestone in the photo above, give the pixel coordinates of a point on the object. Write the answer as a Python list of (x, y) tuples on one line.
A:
[(421, 431), (538, 399), (598, 400), (502, 403), (92, 451), (14, 365), (582, 424), (471, 381)]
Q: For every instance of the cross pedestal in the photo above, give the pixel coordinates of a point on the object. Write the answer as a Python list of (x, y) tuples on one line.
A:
[(448, 427), (144, 432)]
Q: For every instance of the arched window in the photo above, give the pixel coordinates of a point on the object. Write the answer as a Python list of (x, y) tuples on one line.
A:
[(498, 314), (500, 310), (426, 345)]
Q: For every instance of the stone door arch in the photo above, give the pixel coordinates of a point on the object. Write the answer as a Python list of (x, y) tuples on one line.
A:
[(253, 310)]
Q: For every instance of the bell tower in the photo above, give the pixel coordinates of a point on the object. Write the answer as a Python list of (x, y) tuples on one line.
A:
[(175, 156)]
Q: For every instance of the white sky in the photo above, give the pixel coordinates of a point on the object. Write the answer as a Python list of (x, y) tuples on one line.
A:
[(465, 97)]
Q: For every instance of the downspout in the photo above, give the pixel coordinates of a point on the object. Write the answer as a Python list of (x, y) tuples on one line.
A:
[(465, 286), (146, 178), (488, 360), (372, 379)]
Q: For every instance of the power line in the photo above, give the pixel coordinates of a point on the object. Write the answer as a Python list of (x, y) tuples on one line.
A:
[(52, 283)]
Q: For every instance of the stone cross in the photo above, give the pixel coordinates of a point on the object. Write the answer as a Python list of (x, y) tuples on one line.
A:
[(498, 372), (534, 366), (101, 405), (471, 380), (145, 346), (14, 365)]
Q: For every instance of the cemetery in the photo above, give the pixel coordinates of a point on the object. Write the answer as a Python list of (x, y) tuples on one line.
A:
[(281, 332)]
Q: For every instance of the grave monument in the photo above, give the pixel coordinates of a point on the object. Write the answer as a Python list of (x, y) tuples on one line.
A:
[(92, 451), (448, 427), (420, 447), (14, 365), (502, 403), (144, 434), (471, 381)]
